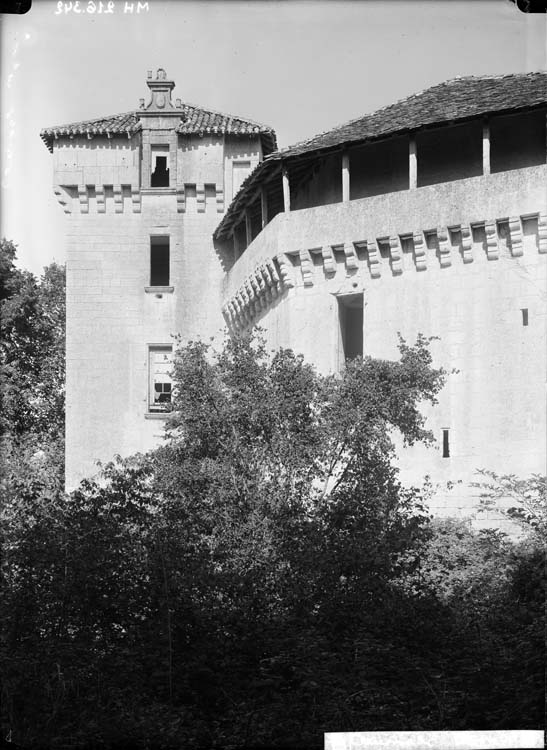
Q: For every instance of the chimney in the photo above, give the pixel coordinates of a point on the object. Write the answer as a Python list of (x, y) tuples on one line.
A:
[(160, 89)]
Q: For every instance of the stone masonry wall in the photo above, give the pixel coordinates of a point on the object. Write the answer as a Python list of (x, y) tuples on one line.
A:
[(111, 317), (99, 161), (465, 281)]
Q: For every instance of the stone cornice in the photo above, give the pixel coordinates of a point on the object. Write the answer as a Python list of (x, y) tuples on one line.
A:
[(76, 198), (278, 274)]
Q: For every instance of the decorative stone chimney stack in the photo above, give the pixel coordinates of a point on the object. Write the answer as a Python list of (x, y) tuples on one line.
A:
[(159, 120), (160, 89)]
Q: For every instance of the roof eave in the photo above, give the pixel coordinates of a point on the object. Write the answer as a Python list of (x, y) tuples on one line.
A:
[(291, 153), (288, 155)]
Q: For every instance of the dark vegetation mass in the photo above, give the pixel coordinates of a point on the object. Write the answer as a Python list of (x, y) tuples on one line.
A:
[(260, 578)]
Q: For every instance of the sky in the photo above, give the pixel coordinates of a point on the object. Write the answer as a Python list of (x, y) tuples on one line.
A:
[(301, 66)]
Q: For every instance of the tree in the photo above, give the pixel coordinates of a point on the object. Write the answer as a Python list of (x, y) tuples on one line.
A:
[(32, 330), (262, 576), (215, 565), (522, 501), (10, 276), (493, 591), (32, 368), (285, 529)]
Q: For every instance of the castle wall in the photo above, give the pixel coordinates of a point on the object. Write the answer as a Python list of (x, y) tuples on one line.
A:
[(425, 262), (400, 213), (200, 160), (239, 150), (197, 312), (494, 405), (461, 257), (96, 161), (112, 319), (113, 313)]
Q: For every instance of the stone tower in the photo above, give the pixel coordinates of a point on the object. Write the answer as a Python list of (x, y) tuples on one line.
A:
[(143, 192)]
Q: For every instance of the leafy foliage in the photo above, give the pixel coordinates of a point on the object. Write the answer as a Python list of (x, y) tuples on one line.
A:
[(32, 336), (522, 501), (262, 577), (494, 593)]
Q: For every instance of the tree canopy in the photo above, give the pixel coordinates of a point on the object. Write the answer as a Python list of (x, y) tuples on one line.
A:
[(32, 348), (262, 577)]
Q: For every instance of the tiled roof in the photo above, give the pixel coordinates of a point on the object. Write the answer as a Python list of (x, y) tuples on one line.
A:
[(456, 100), (114, 125), (194, 120), (200, 120)]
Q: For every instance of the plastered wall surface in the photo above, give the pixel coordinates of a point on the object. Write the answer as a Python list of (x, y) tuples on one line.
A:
[(200, 160), (458, 260), (494, 405), (516, 192), (240, 149), (111, 320), (100, 161), (469, 293), (111, 317)]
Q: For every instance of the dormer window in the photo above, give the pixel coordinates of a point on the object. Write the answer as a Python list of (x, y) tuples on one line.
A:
[(159, 177)]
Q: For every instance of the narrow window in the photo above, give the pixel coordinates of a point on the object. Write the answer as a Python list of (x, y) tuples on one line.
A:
[(524, 312), (350, 311), (446, 443), (160, 362), (160, 167), (159, 261)]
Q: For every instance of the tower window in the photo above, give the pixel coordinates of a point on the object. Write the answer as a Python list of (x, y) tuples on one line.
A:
[(160, 167), (524, 312), (350, 311), (160, 362), (159, 261), (446, 443)]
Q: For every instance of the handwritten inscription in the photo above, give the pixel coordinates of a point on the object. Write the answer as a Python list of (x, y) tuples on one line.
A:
[(91, 7)]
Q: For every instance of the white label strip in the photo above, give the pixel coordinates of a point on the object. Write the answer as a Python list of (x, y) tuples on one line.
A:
[(506, 739)]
